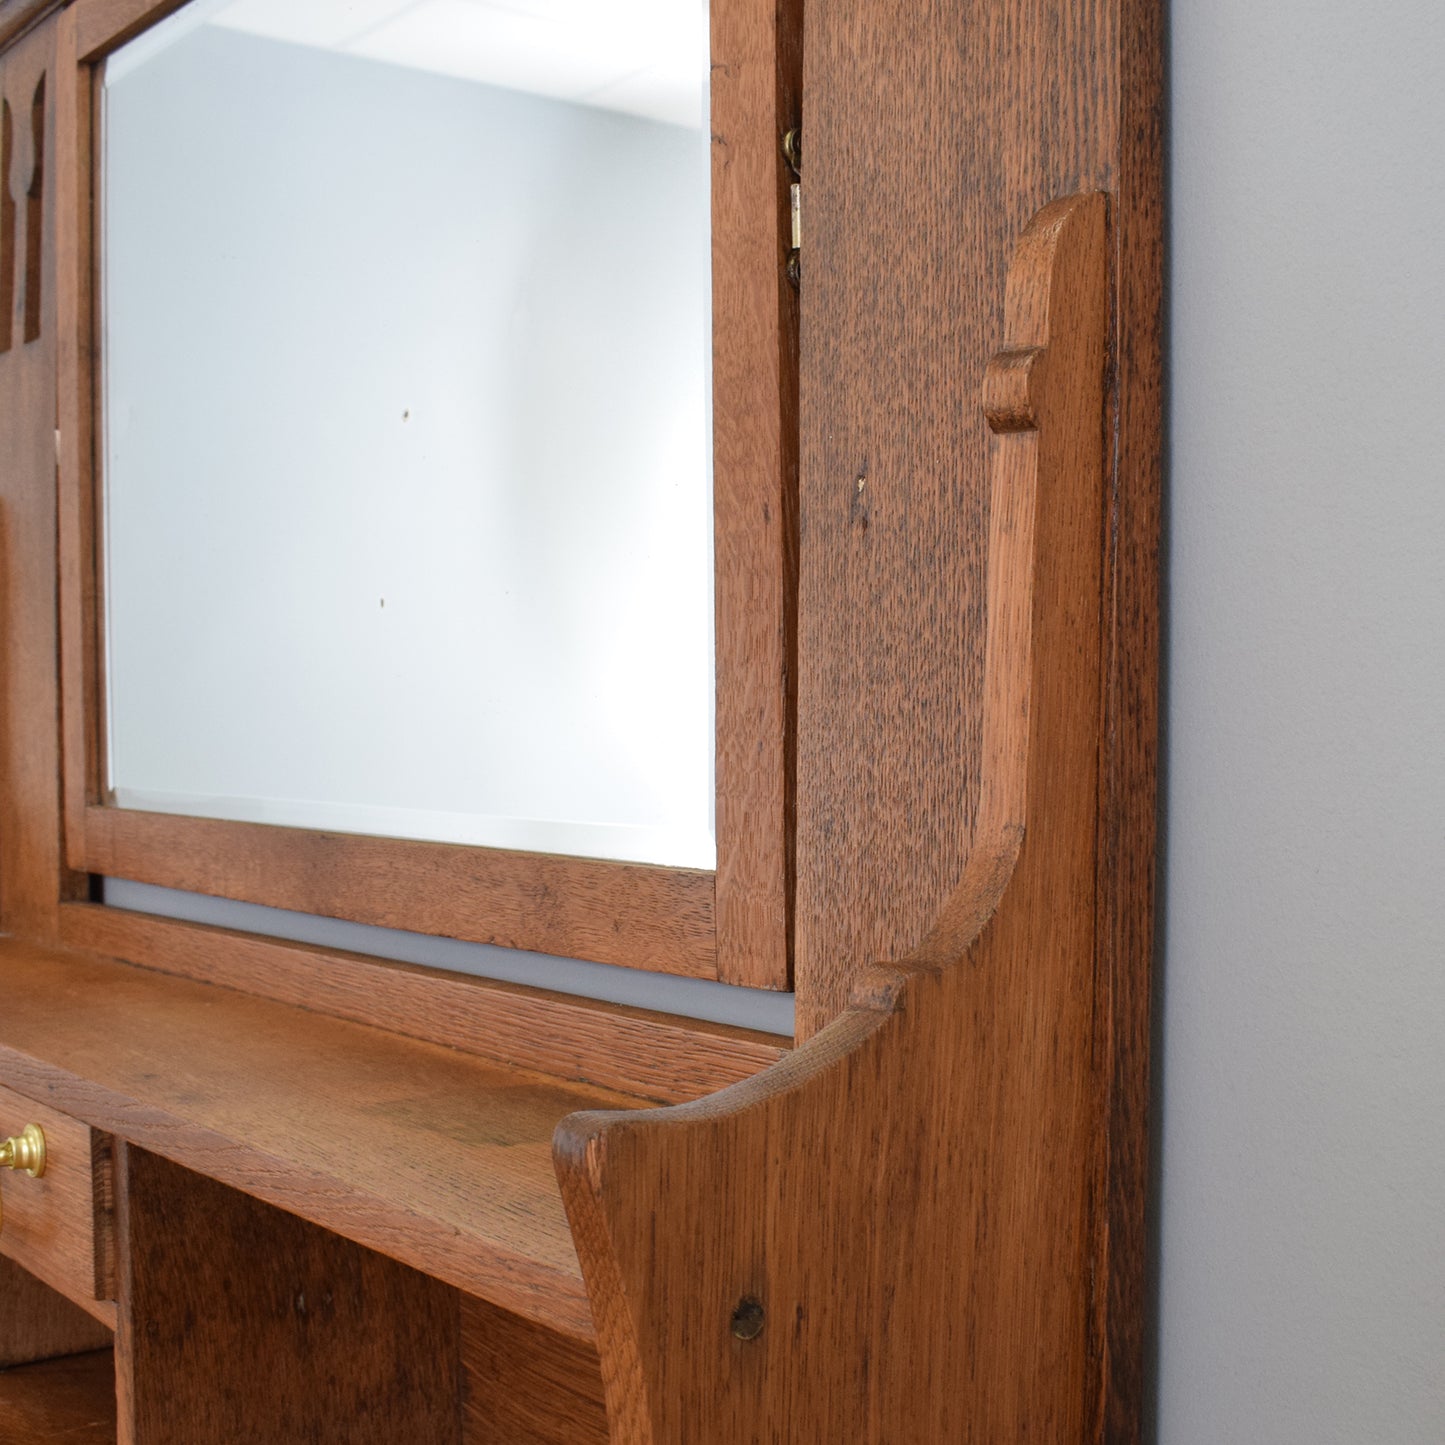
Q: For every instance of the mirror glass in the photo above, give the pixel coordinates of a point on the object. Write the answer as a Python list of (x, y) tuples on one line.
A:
[(406, 443)]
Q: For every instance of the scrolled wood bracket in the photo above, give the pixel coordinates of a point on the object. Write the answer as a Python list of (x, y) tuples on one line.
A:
[(892, 1236)]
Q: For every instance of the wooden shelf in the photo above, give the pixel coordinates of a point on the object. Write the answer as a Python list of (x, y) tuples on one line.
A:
[(70, 1400), (434, 1157)]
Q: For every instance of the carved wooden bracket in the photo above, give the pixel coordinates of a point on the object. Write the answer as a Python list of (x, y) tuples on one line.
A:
[(17, 268), (889, 1238)]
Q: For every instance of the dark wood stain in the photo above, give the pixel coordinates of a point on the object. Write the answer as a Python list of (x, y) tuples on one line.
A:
[(240, 1322), (68, 1401)]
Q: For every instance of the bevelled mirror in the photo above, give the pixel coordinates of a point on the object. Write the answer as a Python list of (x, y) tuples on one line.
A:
[(430, 536), (406, 449)]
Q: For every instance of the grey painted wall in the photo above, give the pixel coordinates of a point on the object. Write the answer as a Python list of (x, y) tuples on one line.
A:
[(1302, 1268)]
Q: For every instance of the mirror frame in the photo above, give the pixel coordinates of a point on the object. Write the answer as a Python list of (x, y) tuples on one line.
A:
[(732, 923)]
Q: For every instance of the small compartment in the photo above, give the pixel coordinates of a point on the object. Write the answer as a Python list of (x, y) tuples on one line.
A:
[(70, 1399), (248, 1324), (57, 1368)]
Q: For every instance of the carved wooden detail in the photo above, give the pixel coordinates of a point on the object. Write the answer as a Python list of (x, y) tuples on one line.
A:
[(888, 1236), (8, 254), (21, 270), (35, 214)]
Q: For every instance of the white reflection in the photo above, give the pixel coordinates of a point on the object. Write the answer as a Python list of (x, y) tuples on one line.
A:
[(642, 57), (406, 468)]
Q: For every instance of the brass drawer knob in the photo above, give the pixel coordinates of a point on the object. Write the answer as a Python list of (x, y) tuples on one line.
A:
[(25, 1151)]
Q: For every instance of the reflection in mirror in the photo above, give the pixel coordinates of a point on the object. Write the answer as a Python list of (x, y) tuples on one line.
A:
[(406, 449)]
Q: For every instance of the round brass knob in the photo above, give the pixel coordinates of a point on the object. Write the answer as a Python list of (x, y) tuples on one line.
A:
[(26, 1151)]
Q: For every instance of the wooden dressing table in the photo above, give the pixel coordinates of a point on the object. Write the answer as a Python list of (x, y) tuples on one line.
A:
[(292, 1194)]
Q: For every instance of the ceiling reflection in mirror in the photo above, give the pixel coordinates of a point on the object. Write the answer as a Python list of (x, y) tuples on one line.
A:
[(406, 426)]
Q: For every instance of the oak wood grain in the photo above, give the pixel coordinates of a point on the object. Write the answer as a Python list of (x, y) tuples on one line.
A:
[(633, 914), (38, 1323), (32, 881), (52, 1225), (433, 1157), (655, 1056), (903, 1204), (755, 80), (921, 171), (18, 16), (77, 345), (1130, 727), (921, 174), (68, 1401), (245, 1324), (524, 1385), (9, 228)]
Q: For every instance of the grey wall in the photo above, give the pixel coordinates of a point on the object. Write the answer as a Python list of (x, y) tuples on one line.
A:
[(1302, 1270)]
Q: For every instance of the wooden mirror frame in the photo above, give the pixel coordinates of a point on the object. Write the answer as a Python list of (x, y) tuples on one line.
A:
[(730, 923)]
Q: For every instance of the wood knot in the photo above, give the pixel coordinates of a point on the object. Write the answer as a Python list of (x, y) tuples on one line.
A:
[(748, 1318), (1012, 386)]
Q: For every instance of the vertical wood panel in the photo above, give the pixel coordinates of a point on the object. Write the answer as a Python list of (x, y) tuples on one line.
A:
[(31, 878), (525, 1385), (907, 1198), (921, 176), (1130, 726), (76, 348), (36, 1323), (244, 1323), (921, 172), (756, 74)]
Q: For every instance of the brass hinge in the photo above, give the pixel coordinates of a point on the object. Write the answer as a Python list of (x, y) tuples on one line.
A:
[(793, 154)]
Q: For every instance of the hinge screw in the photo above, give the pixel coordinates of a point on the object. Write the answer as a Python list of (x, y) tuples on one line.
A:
[(793, 149)]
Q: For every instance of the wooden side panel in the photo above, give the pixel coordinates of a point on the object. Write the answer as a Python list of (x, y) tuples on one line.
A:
[(36, 1323), (1130, 723), (897, 1218), (525, 1385), (921, 173), (239, 1322), (31, 878)]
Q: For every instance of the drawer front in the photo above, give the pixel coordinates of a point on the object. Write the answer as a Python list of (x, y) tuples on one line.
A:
[(59, 1226)]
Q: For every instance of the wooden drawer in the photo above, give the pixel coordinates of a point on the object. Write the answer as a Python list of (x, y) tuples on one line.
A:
[(59, 1227)]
